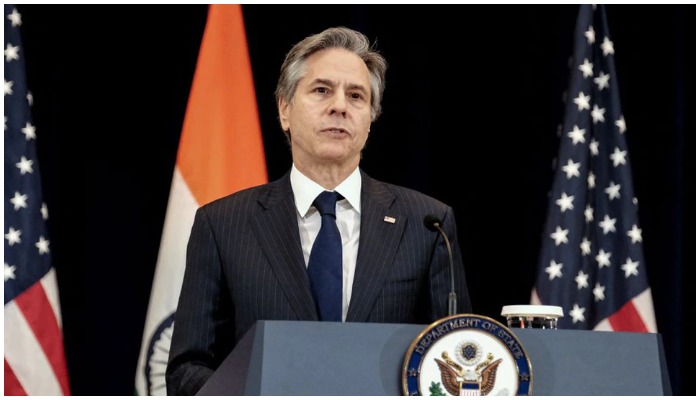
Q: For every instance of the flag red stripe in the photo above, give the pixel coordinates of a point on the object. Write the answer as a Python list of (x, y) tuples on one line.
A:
[(37, 310), (12, 385), (627, 319)]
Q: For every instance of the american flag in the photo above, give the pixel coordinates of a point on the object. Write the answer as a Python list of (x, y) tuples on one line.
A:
[(34, 358), (591, 262)]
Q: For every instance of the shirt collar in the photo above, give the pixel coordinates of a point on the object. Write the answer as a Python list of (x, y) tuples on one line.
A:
[(305, 190)]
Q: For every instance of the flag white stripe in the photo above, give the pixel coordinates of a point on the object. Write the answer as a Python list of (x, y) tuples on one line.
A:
[(170, 268), (51, 289), (604, 325), (26, 357), (534, 298), (645, 307)]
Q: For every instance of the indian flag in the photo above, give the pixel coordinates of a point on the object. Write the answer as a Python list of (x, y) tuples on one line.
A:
[(220, 152)]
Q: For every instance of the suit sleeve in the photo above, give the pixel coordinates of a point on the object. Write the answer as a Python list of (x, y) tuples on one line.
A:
[(203, 332), (440, 280)]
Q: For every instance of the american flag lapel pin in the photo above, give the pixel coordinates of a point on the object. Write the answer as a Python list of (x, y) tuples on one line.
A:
[(389, 219)]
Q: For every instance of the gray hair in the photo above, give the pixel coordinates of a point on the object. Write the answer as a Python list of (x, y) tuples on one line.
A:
[(294, 65)]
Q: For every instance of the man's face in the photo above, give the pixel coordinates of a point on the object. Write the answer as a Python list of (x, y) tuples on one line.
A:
[(330, 116)]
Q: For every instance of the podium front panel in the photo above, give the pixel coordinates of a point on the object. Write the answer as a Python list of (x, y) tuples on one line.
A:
[(300, 358)]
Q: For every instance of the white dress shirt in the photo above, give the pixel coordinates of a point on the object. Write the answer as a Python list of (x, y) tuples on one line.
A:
[(347, 217)]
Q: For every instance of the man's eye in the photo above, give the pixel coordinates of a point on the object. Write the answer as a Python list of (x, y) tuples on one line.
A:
[(321, 90), (357, 96)]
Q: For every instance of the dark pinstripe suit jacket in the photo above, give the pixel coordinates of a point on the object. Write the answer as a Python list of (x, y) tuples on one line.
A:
[(245, 263)]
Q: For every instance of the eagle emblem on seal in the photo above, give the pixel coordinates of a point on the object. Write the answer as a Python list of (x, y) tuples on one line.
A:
[(465, 381)]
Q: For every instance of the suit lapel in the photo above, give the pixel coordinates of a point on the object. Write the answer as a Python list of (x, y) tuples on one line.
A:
[(379, 240), (278, 234)]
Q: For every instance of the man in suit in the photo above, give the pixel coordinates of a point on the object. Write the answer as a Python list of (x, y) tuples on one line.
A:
[(254, 255)]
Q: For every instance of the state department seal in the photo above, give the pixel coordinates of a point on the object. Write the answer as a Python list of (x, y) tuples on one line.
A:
[(466, 355)]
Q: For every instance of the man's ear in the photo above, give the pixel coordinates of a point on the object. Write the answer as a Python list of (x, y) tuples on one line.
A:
[(283, 111)]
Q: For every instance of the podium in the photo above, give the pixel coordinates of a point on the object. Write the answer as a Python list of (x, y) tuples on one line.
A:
[(301, 358)]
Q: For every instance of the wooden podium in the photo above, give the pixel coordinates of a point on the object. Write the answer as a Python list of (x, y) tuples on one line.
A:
[(298, 358)]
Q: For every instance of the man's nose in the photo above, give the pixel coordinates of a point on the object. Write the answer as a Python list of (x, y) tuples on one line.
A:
[(338, 103)]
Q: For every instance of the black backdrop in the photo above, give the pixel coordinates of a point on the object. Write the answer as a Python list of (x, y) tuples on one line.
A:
[(470, 115)]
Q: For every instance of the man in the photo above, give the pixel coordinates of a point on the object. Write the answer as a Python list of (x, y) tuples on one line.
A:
[(254, 255)]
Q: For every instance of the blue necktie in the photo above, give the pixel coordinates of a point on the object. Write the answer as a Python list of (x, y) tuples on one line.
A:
[(326, 262)]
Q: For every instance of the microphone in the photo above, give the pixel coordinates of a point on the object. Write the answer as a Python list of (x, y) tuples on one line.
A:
[(433, 224)]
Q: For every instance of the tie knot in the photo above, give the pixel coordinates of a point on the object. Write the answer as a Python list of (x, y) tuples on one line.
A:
[(325, 202)]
